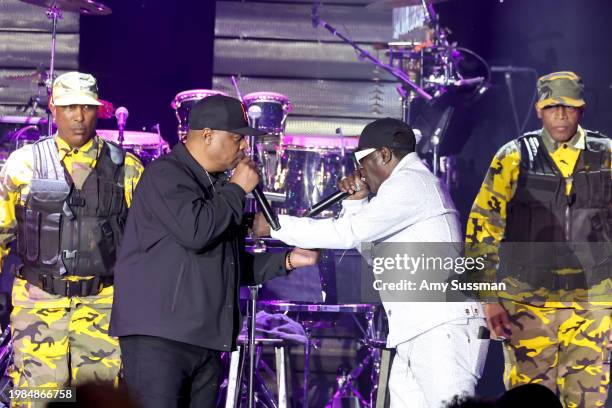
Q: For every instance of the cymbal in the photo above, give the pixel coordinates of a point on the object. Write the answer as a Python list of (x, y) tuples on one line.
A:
[(389, 4), (87, 7), (131, 137)]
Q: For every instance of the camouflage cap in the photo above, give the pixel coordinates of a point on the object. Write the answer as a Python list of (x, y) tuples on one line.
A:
[(560, 88), (75, 88)]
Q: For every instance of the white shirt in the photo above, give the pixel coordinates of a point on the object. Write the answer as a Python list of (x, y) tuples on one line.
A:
[(410, 206)]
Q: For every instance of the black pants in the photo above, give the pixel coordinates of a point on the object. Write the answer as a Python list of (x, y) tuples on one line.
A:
[(162, 373)]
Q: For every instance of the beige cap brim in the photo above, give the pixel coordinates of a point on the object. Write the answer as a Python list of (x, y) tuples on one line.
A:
[(73, 99)]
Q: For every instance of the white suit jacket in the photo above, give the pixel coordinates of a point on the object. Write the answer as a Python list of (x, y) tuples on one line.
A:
[(411, 206)]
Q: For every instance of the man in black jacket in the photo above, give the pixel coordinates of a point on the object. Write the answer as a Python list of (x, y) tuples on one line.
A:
[(182, 260)]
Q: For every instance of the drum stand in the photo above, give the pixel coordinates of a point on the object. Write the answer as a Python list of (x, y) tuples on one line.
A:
[(345, 381), (256, 393)]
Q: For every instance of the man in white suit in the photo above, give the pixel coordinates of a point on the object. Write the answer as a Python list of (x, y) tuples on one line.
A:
[(438, 353)]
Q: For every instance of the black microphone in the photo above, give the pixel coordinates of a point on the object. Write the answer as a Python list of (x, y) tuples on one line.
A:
[(325, 203), (264, 206)]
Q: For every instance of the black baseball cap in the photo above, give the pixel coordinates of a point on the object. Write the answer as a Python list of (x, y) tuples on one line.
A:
[(220, 112), (381, 133)]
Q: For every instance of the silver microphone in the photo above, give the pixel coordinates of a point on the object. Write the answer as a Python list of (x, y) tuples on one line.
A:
[(254, 112), (121, 113)]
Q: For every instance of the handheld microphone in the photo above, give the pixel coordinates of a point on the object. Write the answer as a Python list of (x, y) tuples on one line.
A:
[(325, 203), (121, 114), (264, 206)]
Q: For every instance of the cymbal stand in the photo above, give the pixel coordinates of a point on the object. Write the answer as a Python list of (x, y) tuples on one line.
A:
[(54, 13)]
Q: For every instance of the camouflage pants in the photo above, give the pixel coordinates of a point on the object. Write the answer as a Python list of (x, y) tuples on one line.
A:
[(62, 346), (562, 349)]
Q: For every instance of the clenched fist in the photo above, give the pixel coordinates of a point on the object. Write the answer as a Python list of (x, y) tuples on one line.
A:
[(355, 186), (246, 175)]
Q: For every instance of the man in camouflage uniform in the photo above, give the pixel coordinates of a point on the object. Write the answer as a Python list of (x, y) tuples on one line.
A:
[(551, 187), (65, 199)]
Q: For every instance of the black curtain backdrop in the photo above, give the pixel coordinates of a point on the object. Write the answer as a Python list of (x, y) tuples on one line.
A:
[(146, 52)]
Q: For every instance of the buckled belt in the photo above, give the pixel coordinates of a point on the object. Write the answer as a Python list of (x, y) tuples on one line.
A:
[(58, 286)]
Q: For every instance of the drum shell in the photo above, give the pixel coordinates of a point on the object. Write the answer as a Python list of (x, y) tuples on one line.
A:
[(147, 146), (146, 153), (305, 175), (267, 111), (182, 104)]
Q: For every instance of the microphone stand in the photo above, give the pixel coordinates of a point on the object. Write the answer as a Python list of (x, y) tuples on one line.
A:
[(252, 322), (397, 73), (253, 290), (508, 78), (260, 247), (121, 138)]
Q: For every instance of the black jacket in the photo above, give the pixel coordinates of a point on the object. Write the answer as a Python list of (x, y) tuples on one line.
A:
[(180, 263)]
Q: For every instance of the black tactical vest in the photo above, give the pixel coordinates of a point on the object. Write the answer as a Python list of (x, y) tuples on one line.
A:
[(62, 230), (569, 231)]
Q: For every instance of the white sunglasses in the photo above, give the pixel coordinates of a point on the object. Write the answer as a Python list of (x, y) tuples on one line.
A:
[(359, 155)]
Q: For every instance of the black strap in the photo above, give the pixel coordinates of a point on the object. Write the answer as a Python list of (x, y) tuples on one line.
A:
[(62, 287)]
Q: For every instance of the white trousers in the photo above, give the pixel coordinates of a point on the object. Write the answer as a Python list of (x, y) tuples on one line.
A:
[(433, 367)]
